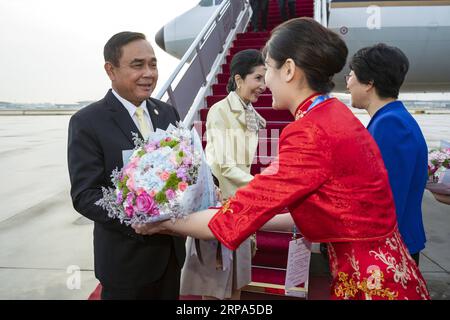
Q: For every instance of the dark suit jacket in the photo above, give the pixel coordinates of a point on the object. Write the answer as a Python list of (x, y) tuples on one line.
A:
[(405, 155), (97, 135)]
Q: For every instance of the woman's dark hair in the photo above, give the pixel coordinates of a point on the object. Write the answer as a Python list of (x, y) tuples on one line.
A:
[(383, 65), (318, 51), (243, 63), (112, 52)]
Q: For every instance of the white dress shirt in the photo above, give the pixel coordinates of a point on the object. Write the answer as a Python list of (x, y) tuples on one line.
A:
[(131, 108)]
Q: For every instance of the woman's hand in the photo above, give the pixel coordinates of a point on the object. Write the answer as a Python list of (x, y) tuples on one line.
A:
[(149, 228)]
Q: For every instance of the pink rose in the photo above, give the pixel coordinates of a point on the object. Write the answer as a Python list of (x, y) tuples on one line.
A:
[(145, 203), (182, 186), (164, 176)]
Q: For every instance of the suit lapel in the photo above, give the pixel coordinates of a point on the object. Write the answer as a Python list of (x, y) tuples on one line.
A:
[(236, 107), (121, 116)]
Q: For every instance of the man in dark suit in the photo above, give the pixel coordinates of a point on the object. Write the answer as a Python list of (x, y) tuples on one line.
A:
[(128, 265)]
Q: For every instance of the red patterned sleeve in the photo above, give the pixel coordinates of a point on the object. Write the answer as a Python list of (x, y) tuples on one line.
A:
[(302, 166)]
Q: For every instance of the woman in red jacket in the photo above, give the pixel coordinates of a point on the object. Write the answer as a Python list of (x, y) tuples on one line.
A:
[(329, 173)]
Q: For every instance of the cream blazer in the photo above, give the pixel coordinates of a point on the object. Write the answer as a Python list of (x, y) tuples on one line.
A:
[(230, 147)]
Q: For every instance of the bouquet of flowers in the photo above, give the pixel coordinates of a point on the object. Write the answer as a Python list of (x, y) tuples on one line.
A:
[(166, 177), (438, 159)]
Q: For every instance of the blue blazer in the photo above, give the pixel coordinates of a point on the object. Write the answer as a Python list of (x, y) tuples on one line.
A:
[(405, 156)]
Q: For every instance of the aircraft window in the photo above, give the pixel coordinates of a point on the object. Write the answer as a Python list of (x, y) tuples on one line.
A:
[(206, 3), (218, 2)]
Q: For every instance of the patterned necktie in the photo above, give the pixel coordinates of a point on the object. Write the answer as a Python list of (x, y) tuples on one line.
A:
[(143, 124)]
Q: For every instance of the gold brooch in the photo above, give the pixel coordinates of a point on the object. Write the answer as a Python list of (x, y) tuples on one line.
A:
[(226, 207)]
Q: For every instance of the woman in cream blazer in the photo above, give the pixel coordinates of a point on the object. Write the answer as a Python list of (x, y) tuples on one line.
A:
[(232, 127)]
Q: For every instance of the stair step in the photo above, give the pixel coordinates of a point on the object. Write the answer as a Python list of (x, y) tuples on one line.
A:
[(228, 58), (271, 281), (253, 42), (253, 35), (221, 89), (266, 147), (273, 242), (266, 275), (266, 113), (266, 155), (275, 18), (265, 100), (235, 50), (272, 249), (275, 11), (272, 131), (274, 3), (223, 77)]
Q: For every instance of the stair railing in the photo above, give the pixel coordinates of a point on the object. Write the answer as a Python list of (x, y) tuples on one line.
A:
[(206, 54), (321, 8)]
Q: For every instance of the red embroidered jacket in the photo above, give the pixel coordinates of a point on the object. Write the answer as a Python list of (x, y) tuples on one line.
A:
[(329, 174)]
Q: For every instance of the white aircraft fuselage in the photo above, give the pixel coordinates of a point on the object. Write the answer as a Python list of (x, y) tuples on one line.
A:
[(421, 29)]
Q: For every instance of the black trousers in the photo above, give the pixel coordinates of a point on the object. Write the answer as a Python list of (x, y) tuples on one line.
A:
[(291, 6), (166, 288), (259, 6)]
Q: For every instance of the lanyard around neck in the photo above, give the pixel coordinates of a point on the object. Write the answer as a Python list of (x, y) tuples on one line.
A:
[(318, 100), (314, 101)]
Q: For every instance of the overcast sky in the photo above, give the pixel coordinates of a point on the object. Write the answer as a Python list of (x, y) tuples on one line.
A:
[(52, 50)]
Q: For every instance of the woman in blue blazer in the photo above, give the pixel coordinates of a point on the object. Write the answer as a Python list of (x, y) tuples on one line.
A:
[(374, 82)]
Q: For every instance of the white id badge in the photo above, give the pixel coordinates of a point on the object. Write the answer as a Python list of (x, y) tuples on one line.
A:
[(297, 272)]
